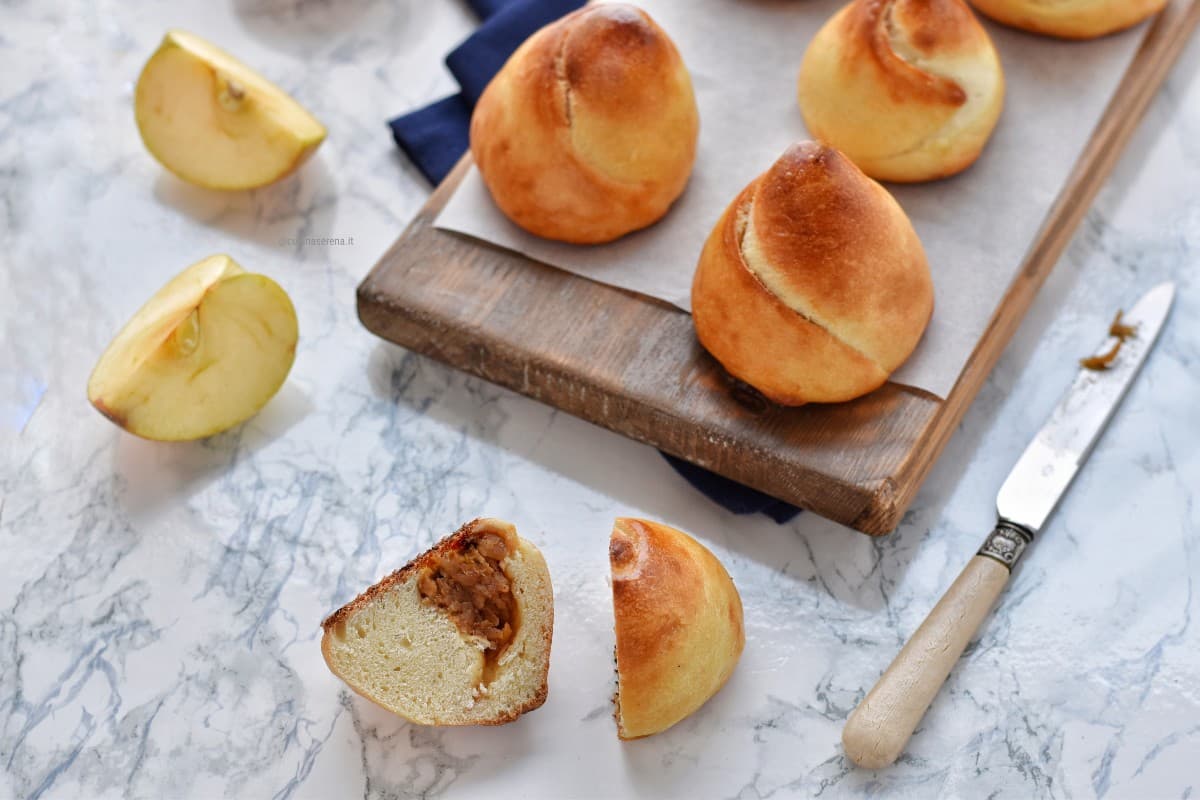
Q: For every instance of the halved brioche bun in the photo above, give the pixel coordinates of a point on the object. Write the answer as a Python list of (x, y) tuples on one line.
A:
[(678, 625), (400, 650)]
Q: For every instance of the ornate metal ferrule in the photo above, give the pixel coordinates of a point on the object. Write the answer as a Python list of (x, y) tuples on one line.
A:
[(1006, 543)]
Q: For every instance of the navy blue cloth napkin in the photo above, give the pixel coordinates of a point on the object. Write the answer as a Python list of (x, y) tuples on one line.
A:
[(436, 136)]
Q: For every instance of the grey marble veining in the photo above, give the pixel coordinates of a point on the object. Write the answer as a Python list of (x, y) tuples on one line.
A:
[(159, 604)]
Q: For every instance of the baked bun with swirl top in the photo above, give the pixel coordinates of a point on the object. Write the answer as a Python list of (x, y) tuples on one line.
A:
[(1070, 19), (813, 286), (589, 130), (910, 90)]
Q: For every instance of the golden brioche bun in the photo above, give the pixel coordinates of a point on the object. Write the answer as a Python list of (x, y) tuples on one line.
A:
[(678, 624), (412, 659), (589, 130), (1070, 19), (909, 90), (813, 286)]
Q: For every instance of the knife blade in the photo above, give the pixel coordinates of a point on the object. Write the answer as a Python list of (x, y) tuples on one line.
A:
[(878, 729), (1045, 470)]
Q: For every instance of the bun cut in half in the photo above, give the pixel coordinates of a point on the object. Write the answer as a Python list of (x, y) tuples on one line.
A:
[(813, 286), (589, 130), (678, 625), (1070, 19), (909, 90), (458, 636)]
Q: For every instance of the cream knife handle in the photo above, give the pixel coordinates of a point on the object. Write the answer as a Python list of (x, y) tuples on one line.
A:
[(877, 731)]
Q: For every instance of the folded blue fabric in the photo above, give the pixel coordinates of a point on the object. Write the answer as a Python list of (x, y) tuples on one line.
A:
[(436, 136)]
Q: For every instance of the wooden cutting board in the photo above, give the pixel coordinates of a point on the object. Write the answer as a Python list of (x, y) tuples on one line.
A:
[(632, 363)]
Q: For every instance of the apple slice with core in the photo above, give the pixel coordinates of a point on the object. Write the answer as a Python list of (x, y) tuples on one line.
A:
[(205, 353), (215, 122)]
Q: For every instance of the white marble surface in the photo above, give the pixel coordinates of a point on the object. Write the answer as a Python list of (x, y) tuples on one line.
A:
[(160, 603)]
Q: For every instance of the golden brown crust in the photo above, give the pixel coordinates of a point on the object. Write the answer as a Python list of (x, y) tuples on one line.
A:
[(1072, 19), (935, 25), (603, 49), (678, 623), (554, 133), (761, 341), (909, 90), (842, 293), (841, 242), (453, 542)]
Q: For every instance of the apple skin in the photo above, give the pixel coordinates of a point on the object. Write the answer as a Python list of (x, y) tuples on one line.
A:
[(204, 354), (216, 123)]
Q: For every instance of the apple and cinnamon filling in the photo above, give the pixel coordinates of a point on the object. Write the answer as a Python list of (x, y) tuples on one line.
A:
[(468, 583)]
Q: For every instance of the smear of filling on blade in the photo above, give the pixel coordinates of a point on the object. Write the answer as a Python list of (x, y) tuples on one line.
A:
[(469, 584), (1120, 331)]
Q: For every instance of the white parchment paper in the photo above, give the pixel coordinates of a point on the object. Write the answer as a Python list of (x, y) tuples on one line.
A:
[(744, 56)]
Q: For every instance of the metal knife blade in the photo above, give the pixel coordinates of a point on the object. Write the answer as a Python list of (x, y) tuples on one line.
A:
[(1046, 468)]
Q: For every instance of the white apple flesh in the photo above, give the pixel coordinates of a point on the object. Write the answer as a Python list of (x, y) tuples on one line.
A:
[(215, 122), (204, 354)]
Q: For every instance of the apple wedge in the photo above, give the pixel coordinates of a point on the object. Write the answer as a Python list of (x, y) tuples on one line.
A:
[(215, 122), (202, 355)]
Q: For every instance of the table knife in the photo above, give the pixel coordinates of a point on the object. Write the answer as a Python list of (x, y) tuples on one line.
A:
[(880, 727)]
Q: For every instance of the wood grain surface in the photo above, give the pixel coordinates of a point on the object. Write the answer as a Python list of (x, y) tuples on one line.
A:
[(632, 363)]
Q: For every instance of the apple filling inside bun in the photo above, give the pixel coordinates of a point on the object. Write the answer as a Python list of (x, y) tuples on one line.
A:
[(469, 585)]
